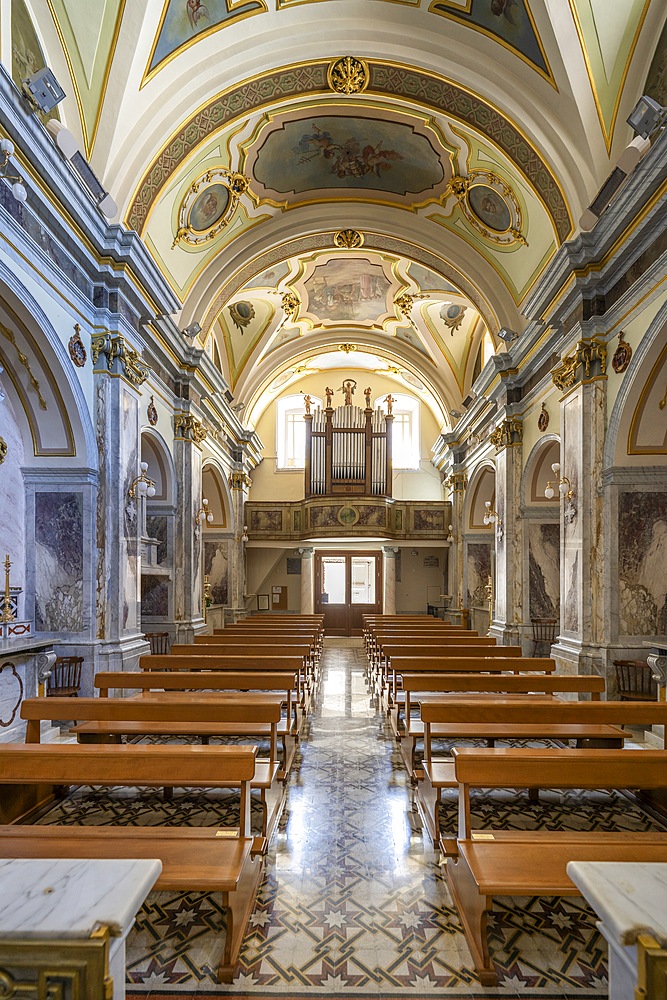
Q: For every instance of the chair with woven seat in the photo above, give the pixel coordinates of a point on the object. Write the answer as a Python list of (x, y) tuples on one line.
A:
[(65, 678), (544, 630), (635, 681), (160, 642)]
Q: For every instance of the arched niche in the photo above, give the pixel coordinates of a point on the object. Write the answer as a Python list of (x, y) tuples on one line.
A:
[(479, 545), (154, 451), (538, 473), (482, 488), (157, 544), (216, 536)]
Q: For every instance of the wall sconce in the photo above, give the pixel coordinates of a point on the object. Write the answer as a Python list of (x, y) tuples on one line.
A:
[(142, 486), (564, 485), (204, 514), (18, 189), (450, 533), (245, 538), (492, 517)]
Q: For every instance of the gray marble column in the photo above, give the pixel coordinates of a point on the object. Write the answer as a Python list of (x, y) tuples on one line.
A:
[(389, 579), (239, 484), (188, 541), (118, 372), (307, 561), (507, 439), (456, 483)]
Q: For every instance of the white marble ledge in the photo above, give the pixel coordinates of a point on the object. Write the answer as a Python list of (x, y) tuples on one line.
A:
[(630, 899), (70, 897)]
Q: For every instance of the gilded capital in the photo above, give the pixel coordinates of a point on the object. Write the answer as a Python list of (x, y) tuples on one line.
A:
[(239, 481), (188, 428), (587, 361), (457, 482), (508, 434), (119, 357)]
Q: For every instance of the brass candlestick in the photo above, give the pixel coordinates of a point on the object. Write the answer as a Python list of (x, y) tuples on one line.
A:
[(7, 613)]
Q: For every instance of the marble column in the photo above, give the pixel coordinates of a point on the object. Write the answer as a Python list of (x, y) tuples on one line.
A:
[(239, 484), (457, 483), (507, 439), (581, 376), (307, 561), (188, 543), (118, 372), (389, 579)]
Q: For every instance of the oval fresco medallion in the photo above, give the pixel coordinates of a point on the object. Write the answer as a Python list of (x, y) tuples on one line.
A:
[(208, 208), (490, 207)]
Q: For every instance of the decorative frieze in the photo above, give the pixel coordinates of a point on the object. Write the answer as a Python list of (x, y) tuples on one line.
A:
[(188, 428), (120, 358), (508, 434), (588, 361)]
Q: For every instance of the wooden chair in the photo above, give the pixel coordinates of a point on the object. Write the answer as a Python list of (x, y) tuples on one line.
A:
[(544, 630), (635, 681), (160, 642), (65, 678)]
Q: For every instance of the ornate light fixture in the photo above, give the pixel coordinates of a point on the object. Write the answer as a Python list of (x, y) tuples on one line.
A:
[(142, 486), (450, 533), (204, 514), (492, 516), (18, 188), (564, 485)]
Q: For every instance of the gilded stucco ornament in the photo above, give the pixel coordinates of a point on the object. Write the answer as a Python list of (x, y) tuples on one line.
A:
[(208, 206), (508, 434), (457, 482), (290, 303), (348, 239), (587, 361), (120, 358), (622, 355), (188, 428), (3, 450), (543, 419), (490, 206), (239, 481), (6, 332), (348, 75), (151, 412), (75, 346)]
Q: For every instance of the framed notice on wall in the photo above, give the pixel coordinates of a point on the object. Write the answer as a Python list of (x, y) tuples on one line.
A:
[(262, 602)]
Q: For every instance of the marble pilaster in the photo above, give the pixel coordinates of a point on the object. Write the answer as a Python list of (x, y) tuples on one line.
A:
[(389, 579), (457, 483), (188, 536), (239, 484), (508, 438), (307, 581)]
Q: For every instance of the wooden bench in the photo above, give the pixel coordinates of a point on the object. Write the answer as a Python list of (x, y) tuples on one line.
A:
[(590, 724), (533, 863), (468, 663), (389, 674), (436, 775), (107, 720), (193, 859), (268, 647)]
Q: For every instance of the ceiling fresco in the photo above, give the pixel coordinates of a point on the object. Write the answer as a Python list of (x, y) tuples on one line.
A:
[(396, 181)]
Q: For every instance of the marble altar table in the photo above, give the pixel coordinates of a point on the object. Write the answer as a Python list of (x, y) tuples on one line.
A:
[(49, 906), (631, 902)]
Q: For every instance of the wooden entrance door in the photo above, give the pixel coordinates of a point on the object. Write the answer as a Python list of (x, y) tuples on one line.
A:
[(347, 586)]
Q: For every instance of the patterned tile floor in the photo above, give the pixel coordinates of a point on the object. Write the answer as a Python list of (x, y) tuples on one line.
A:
[(354, 903)]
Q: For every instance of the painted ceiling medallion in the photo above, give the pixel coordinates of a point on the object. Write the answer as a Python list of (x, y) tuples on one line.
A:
[(622, 355), (77, 351), (348, 239), (208, 206), (452, 315), (489, 205), (151, 412), (242, 314), (348, 75)]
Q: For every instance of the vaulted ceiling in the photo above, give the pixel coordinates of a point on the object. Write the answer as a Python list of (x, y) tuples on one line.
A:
[(388, 175)]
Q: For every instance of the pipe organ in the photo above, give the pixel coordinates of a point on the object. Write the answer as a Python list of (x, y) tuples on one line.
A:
[(348, 449)]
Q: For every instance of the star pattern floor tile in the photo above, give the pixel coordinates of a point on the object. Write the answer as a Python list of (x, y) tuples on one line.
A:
[(354, 902)]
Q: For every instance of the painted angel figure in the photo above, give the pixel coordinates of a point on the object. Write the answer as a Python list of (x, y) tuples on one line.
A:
[(196, 10)]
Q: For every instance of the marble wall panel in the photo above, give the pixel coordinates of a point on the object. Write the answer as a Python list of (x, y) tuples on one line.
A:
[(479, 571), (59, 562), (216, 568), (154, 596), (12, 501), (544, 570), (642, 563), (129, 567), (572, 521), (156, 526)]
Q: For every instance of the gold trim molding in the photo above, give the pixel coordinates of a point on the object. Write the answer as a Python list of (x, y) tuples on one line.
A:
[(588, 361), (6, 332), (119, 355)]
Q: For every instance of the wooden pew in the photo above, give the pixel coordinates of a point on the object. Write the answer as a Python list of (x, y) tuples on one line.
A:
[(591, 724), (533, 863), (264, 646), (380, 640), (193, 859), (436, 775), (424, 656)]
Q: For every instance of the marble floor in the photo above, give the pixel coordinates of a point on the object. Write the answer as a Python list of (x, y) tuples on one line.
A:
[(354, 901)]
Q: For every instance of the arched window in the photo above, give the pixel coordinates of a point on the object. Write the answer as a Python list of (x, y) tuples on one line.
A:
[(405, 432), (291, 431)]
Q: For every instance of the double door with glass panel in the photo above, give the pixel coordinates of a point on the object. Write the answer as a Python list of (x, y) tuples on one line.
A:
[(347, 586)]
